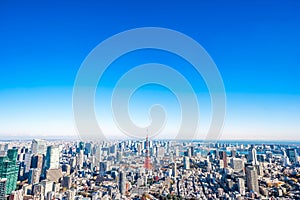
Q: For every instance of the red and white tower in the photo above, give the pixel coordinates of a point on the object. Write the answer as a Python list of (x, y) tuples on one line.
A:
[(147, 163)]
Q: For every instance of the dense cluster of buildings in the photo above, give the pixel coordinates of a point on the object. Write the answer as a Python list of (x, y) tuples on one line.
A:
[(66, 170)]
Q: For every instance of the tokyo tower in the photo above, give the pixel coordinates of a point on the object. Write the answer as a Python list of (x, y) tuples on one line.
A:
[(147, 163)]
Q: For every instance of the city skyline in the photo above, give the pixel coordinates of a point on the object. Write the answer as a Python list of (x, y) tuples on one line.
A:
[(148, 169), (255, 46)]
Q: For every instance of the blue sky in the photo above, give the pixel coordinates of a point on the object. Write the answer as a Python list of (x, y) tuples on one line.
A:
[(255, 45)]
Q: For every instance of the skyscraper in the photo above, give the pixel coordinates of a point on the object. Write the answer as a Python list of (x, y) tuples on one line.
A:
[(38, 146), (252, 179), (286, 160), (119, 156), (292, 155), (34, 176), (52, 157), (88, 148), (174, 170), (237, 165), (233, 153), (223, 156), (103, 165), (98, 153), (186, 162), (66, 182), (80, 158), (37, 161), (252, 156), (9, 169), (122, 182), (241, 186), (27, 161), (80, 146)]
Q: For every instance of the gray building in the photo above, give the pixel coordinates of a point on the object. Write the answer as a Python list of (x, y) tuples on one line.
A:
[(122, 182), (252, 179)]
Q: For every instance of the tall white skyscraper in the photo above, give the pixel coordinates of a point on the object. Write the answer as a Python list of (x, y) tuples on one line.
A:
[(27, 162), (241, 186), (80, 158), (286, 160), (98, 153), (38, 146), (52, 157), (252, 156)]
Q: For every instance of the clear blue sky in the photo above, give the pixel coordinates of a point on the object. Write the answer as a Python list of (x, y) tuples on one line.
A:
[(255, 45)]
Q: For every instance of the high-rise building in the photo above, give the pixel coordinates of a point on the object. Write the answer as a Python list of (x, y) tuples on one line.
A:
[(286, 160), (103, 165), (98, 153), (241, 186), (176, 152), (66, 182), (233, 153), (237, 165), (88, 148), (252, 156), (186, 162), (37, 161), (139, 148), (80, 159), (223, 156), (252, 178), (38, 146), (119, 156), (292, 155), (80, 146), (113, 149), (27, 162), (3, 182), (122, 182), (73, 162), (9, 169), (174, 170), (160, 152), (52, 157), (66, 168), (47, 186), (34, 176), (188, 152), (192, 151)]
